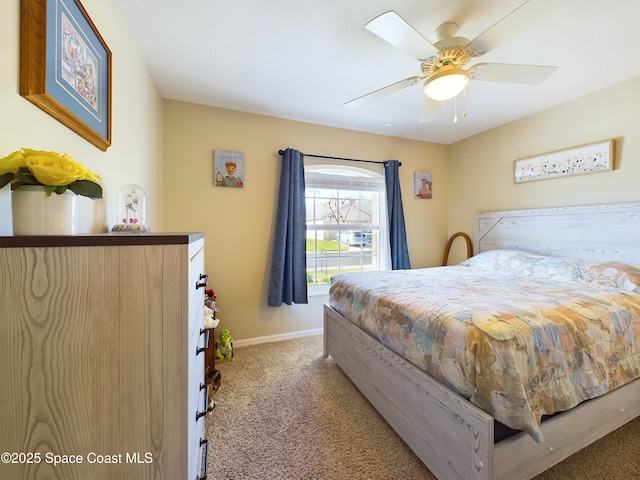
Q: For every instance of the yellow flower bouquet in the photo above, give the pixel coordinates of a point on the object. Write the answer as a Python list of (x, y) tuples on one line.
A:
[(56, 172)]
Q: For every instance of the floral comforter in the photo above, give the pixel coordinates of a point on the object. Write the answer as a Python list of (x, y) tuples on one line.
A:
[(520, 335)]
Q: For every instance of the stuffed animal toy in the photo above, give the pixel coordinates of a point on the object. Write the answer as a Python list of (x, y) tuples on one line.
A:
[(210, 309), (210, 300), (225, 346), (210, 321)]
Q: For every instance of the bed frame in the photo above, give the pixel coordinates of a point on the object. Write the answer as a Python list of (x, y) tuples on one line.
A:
[(451, 436)]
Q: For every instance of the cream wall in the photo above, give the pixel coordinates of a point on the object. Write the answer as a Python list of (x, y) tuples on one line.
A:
[(239, 223), (136, 152), (176, 169), (482, 166)]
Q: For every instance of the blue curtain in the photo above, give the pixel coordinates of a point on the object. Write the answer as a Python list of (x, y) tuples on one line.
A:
[(288, 283), (397, 231)]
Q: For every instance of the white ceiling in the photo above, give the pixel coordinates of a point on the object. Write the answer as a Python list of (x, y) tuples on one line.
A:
[(303, 59)]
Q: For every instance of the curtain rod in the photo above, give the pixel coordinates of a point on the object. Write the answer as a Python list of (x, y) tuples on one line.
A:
[(384, 162)]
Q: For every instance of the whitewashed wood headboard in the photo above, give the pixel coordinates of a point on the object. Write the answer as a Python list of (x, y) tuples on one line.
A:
[(597, 232)]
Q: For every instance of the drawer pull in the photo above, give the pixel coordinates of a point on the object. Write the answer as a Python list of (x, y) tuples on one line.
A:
[(200, 283), (207, 334), (204, 442), (207, 409)]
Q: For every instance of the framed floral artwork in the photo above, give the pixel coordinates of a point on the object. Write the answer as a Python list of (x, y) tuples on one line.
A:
[(65, 67), (591, 158)]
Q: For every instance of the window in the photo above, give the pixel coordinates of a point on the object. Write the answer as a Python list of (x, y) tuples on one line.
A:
[(346, 222)]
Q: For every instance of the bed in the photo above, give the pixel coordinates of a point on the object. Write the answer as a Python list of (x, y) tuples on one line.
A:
[(589, 253)]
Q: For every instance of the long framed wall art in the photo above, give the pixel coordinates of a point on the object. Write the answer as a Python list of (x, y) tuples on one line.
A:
[(591, 158), (65, 67)]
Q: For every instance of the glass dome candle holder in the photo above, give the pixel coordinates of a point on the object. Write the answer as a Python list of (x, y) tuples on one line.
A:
[(132, 210)]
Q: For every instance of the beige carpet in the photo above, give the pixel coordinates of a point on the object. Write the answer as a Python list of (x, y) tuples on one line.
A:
[(285, 412)]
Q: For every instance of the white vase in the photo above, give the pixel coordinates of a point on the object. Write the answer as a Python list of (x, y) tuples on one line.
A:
[(36, 214)]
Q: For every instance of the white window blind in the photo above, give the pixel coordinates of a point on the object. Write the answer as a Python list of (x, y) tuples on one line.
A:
[(346, 222)]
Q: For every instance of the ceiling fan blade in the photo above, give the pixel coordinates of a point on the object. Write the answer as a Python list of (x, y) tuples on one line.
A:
[(430, 110), (529, 13), (381, 92), (510, 73), (393, 29)]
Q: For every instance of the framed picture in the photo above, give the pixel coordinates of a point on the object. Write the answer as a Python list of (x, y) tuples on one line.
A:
[(65, 67), (228, 168), (423, 185), (591, 158)]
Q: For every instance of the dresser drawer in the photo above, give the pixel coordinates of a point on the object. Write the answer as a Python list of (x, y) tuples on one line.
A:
[(137, 335), (197, 343)]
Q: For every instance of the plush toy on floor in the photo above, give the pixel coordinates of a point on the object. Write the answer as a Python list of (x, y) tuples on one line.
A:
[(225, 346)]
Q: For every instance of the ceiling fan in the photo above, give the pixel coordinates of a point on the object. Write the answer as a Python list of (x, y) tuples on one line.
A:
[(443, 63)]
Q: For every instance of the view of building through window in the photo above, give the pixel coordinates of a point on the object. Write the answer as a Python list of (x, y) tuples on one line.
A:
[(343, 221)]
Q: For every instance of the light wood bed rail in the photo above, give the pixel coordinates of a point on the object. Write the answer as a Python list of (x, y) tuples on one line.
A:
[(450, 435)]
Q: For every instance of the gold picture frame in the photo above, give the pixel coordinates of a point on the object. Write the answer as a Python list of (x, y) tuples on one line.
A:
[(590, 158), (65, 67)]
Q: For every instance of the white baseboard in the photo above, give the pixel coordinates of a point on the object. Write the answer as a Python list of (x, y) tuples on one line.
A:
[(277, 338)]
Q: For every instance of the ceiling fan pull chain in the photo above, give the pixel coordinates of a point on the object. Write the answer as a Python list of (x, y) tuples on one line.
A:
[(464, 109), (455, 109)]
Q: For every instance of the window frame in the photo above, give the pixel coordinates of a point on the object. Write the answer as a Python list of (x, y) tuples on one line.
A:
[(345, 178)]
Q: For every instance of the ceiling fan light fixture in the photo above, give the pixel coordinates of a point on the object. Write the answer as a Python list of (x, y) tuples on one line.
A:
[(446, 84)]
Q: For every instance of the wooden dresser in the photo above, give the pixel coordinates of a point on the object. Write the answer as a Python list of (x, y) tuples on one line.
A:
[(102, 357)]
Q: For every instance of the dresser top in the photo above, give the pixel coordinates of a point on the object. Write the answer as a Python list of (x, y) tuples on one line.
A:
[(99, 240)]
